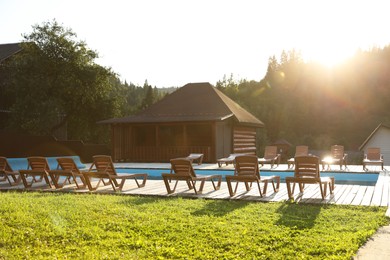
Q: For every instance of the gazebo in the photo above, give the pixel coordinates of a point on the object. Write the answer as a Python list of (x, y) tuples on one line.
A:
[(196, 118)]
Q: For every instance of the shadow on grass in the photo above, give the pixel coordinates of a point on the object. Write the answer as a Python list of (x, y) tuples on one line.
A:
[(219, 208), (298, 216), (141, 200)]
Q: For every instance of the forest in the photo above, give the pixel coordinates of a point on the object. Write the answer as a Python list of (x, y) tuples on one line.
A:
[(308, 103), (298, 101)]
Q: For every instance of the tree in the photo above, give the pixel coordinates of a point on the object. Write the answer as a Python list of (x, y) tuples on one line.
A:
[(55, 82), (149, 96)]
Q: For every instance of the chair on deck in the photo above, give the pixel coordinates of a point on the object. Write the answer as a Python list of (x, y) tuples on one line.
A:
[(228, 160), (38, 169), (195, 157), (300, 150), (373, 157), (103, 169), (182, 171), (67, 168), (307, 171), (247, 171), (337, 157), (271, 156), (7, 173)]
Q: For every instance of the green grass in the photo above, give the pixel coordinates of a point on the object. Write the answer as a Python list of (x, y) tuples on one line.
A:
[(59, 226)]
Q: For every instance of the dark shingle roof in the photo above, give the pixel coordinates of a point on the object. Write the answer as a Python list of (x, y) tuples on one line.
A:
[(7, 50), (193, 102)]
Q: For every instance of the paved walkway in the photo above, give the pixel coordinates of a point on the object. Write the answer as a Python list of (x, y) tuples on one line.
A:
[(377, 247)]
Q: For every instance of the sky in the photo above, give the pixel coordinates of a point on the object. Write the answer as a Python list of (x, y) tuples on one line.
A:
[(175, 42)]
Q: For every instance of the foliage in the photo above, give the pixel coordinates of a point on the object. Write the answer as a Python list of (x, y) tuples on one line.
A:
[(91, 226), (307, 103), (55, 82)]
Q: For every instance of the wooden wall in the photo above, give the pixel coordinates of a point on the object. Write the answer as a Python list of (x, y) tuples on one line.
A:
[(244, 140)]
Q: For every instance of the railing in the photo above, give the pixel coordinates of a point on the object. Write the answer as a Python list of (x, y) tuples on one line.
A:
[(162, 154)]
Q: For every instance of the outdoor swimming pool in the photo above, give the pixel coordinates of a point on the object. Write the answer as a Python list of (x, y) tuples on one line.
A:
[(368, 179)]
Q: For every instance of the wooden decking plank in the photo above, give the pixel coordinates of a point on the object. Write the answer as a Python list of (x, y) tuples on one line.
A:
[(385, 192), (343, 194), (359, 195), (378, 191), (351, 195), (366, 201)]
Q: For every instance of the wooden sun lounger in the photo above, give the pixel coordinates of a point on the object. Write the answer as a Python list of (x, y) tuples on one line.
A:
[(307, 171), (337, 157), (38, 169), (67, 168), (271, 156), (195, 157), (228, 160), (104, 170), (300, 150), (247, 171), (373, 157), (182, 171), (8, 174)]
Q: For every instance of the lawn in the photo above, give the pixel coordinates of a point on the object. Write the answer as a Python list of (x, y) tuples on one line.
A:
[(90, 226)]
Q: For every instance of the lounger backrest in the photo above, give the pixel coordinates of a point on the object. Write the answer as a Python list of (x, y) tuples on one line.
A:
[(38, 163), (301, 150), (307, 167), (4, 165), (247, 165), (270, 152), (104, 163), (337, 151), (67, 164), (182, 167), (373, 153)]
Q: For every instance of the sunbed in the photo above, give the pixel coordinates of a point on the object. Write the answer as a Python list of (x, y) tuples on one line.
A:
[(307, 171), (247, 171), (7, 173), (182, 171), (271, 156), (103, 169)]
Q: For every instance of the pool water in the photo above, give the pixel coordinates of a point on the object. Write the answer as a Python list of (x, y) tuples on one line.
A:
[(368, 179)]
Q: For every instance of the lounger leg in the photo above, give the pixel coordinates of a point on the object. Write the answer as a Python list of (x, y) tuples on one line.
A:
[(143, 181), (219, 183), (166, 182), (83, 182), (289, 191), (229, 184), (265, 187), (258, 186), (322, 192), (25, 182), (277, 184), (200, 188), (15, 180), (248, 188), (47, 180)]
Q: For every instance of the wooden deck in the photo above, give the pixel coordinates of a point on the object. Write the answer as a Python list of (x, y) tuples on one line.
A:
[(378, 195)]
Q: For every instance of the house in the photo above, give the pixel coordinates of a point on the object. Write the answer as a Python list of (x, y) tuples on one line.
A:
[(196, 118), (380, 137)]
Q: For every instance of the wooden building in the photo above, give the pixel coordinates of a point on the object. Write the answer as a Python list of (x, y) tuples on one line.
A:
[(196, 118)]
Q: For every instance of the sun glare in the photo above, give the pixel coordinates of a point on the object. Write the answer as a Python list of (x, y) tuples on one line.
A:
[(327, 57)]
